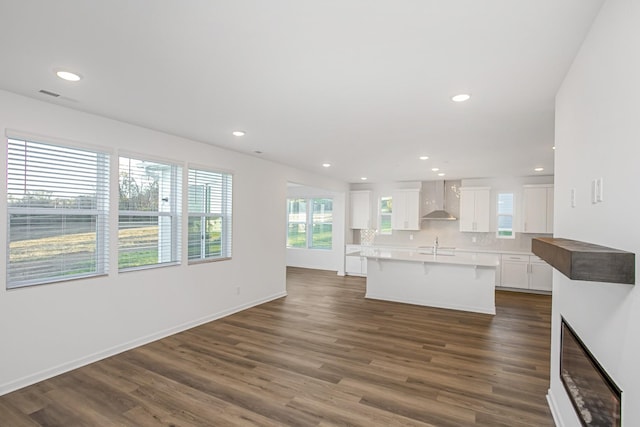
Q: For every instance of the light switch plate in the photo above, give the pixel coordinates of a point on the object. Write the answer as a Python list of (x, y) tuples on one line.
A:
[(599, 190), (572, 197)]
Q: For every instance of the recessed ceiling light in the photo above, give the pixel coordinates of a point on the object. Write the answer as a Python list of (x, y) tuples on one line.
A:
[(364, 178), (238, 133), (441, 174), (68, 76), (435, 169), (538, 169), (424, 157), (461, 97), (553, 148), (326, 165)]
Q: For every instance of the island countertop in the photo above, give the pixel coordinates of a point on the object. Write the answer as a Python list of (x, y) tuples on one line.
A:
[(446, 257)]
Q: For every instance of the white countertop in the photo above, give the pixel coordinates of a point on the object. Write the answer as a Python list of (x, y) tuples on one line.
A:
[(414, 249), (458, 258)]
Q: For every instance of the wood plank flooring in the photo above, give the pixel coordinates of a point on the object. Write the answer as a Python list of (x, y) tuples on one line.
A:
[(322, 356)]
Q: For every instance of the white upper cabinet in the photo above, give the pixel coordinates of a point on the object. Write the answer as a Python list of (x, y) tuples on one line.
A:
[(360, 209), (537, 209), (475, 209), (405, 214)]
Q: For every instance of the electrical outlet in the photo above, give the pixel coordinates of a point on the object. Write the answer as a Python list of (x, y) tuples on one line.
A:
[(410, 236), (572, 197), (237, 290)]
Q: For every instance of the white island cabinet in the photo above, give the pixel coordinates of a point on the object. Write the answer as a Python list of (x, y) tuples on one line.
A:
[(464, 281)]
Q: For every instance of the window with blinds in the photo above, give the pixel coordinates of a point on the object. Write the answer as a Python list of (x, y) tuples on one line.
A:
[(505, 216), (210, 215), (149, 213), (58, 204)]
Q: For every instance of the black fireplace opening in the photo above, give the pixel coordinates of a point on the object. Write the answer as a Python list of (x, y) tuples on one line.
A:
[(595, 397)]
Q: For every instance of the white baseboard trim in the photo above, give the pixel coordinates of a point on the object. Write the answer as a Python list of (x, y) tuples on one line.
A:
[(553, 406), (436, 304), (112, 351)]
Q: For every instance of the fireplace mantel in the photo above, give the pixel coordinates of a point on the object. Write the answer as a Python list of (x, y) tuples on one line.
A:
[(585, 261)]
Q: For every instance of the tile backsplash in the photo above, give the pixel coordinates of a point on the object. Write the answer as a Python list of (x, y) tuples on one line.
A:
[(449, 235)]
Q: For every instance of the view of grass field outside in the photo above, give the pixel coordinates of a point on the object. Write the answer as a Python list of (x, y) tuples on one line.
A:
[(319, 223), (57, 199)]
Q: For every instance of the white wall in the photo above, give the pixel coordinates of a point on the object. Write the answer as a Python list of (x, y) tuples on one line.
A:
[(598, 135), (48, 329), (322, 259)]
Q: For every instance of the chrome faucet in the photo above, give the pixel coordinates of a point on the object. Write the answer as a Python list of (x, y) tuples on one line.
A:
[(435, 246)]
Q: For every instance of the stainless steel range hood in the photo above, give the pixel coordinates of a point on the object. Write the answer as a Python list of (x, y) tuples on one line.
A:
[(440, 198)]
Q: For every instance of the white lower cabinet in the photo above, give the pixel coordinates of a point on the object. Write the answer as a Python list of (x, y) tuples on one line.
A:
[(515, 271), (355, 265), (540, 275), (526, 272)]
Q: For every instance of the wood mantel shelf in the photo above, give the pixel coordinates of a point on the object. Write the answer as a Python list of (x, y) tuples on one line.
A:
[(585, 261)]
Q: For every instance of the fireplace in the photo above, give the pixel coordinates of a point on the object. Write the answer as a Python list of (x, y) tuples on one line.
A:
[(595, 397)]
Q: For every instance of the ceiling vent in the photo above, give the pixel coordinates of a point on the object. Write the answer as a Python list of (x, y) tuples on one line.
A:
[(46, 92)]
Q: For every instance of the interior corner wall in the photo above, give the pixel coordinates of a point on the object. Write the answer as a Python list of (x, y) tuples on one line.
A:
[(49, 329), (598, 136)]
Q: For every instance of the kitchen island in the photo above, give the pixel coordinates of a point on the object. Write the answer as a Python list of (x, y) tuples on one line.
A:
[(452, 280)]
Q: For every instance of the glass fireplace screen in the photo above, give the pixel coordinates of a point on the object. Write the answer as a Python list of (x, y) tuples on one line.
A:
[(595, 397)]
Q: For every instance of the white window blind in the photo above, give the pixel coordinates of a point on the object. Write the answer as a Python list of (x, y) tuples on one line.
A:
[(505, 215), (149, 213), (210, 215), (58, 202)]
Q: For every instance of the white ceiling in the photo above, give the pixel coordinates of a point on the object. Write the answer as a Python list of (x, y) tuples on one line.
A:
[(362, 84)]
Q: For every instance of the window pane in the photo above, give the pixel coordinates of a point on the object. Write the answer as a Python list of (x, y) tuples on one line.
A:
[(212, 237), (321, 236), (297, 235), (138, 241), (297, 210), (58, 202), (321, 233), (505, 203), (195, 237), (385, 215), (210, 214), (149, 219), (51, 246), (505, 215)]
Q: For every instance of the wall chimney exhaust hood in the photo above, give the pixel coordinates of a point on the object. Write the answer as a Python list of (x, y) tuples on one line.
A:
[(440, 198)]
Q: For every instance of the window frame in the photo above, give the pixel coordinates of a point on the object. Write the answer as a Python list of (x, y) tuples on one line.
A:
[(173, 211), (226, 216), (511, 215), (381, 215), (308, 222), (72, 182)]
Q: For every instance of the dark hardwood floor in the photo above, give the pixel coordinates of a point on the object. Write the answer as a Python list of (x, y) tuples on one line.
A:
[(321, 356)]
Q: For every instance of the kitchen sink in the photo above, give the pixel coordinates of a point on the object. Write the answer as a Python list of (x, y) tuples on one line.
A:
[(442, 250)]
